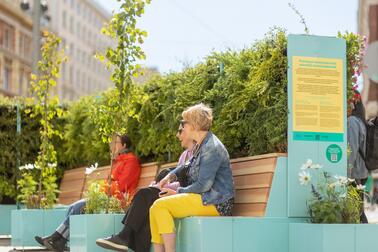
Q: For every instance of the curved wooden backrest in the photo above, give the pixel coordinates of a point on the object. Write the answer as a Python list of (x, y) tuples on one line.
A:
[(71, 186), (253, 178)]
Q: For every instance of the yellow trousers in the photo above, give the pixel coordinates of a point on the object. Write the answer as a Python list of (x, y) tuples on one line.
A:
[(164, 210)]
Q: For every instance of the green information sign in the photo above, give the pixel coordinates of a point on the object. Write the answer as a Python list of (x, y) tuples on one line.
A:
[(334, 153)]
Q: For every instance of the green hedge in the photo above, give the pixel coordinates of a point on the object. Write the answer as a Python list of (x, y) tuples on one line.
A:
[(247, 90)]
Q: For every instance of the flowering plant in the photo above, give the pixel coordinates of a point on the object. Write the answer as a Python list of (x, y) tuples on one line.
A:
[(335, 199), (102, 198), (36, 186), (100, 201)]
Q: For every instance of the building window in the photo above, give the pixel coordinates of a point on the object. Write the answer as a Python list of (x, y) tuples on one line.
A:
[(7, 77), (64, 19), (72, 50), (78, 30), (21, 82), (72, 25), (64, 72), (78, 84), (8, 37), (71, 75)]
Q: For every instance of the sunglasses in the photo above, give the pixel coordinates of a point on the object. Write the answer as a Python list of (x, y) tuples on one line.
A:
[(179, 131), (182, 123)]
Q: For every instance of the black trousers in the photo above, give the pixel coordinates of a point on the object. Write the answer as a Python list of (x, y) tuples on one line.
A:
[(136, 231), (363, 218)]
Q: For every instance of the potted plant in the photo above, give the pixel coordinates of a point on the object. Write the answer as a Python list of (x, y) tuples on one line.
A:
[(104, 210), (334, 213), (37, 186)]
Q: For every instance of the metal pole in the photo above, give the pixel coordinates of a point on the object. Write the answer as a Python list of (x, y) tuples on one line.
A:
[(36, 35), (18, 133)]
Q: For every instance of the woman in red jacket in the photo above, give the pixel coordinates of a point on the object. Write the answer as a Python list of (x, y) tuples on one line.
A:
[(126, 172)]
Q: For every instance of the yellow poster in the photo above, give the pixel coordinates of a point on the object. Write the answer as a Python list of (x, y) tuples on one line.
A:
[(317, 95)]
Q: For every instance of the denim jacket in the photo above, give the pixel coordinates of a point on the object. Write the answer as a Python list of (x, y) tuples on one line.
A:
[(210, 173)]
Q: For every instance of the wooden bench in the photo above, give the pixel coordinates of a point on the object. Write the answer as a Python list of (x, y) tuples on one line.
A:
[(75, 182), (252, 177)]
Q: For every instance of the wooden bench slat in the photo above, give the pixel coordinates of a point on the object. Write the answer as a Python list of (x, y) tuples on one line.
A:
[(253, 167), (257, 210), (258, 195), (253, 180)]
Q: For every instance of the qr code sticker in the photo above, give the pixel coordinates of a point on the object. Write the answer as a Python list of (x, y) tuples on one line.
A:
[(333, 157)]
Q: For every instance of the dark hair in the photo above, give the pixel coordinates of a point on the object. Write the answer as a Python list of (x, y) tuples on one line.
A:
[(125, 140), (359, 109)]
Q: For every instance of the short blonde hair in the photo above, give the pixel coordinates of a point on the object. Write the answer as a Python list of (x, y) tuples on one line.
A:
[(200, 116)]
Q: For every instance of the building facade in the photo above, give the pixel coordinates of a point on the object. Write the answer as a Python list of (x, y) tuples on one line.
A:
[(78, 23), (368, 26), (15, 49)]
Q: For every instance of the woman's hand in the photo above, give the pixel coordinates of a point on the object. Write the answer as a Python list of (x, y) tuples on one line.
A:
[(164, 181), (166, 192)]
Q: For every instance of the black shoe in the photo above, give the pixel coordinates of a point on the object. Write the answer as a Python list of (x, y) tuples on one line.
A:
[(55, 243), (113, 242), (40, 239)]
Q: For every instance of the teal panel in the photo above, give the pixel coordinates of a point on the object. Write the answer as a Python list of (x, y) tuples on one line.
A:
[(321, 237), (86, 228), (299, 151), (277, 202), (52, 219), (26, 223), (5, 218), (366, 236), (204, 234), (257, 234), (118, 225), (318, 136)]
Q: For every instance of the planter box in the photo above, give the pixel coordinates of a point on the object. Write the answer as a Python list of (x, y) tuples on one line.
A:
[(5, 218), (332, 237), (86, 228), (27, 223)]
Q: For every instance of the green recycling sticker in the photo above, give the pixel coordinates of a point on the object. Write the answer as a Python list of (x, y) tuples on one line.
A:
[(334, 153)]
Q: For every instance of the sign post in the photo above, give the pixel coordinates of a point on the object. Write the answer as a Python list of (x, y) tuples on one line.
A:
[(317, 111)]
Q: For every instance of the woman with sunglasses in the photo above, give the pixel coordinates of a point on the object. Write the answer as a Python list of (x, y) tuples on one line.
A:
[(210, 189), (136, 230)]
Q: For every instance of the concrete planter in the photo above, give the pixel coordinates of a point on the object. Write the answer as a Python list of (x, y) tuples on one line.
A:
[(332, 237), (86, 228), (5, 218), (27, 223)]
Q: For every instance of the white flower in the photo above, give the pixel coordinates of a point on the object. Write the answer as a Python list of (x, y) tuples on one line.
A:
[(304, 178), (91, 169), (23, 167), (341, 180), (29, 167), (343, 195), (360, 187), (307, 164), (51, 165), (316, 166)]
